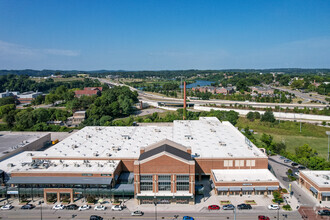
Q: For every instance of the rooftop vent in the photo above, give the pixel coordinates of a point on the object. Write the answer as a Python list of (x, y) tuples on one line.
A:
[(189, 137), (125, 136)]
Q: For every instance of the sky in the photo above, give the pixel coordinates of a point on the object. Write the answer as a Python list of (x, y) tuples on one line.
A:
[(164, 34)]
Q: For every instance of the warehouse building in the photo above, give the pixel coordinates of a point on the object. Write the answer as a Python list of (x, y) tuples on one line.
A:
[(148, 163)]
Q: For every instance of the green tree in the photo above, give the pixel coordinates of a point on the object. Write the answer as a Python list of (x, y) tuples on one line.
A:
[(268, 116), (5, 109), (267, 139), (9, 118), (250, 116), (305, 151)]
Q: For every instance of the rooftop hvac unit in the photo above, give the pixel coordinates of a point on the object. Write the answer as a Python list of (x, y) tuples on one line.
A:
[(29, 154), (325, 183), (230, 154), (76, 165), (10, 165), (108, 154), (95, 154), (157, 130), (257, 179), (326, 177)]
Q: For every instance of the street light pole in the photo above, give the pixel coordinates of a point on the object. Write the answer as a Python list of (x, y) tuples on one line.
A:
[(155, 203), (328, 133), (234, 213)]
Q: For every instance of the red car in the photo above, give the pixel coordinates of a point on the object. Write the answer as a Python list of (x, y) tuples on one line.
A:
[(262, 217), (213, 207)]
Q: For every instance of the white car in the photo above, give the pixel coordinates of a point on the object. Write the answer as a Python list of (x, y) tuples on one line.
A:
[(58, 207), (137, 213), (84, 207), (99, 208), (273, 207), (117, 208), (6, 207)]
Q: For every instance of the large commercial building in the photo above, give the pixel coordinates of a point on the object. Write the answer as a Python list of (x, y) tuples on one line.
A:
[(148, 163)]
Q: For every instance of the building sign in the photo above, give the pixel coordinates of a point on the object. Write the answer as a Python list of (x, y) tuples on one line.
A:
[(247, 184), (12, 192)]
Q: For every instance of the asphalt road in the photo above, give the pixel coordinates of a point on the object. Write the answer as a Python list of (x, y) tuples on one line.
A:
[(125, 214), (280, 168)]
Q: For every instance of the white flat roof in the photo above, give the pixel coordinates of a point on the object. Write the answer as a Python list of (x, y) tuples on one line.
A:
[(243, 175), (320, 177), (23, 162), (207, 137)]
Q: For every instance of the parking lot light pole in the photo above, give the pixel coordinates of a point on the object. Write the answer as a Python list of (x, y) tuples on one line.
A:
[(155, 203), (40, 203), (328, 133), (234, 213)]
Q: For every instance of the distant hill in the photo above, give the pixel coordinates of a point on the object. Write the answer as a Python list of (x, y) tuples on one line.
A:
[(162, 73)]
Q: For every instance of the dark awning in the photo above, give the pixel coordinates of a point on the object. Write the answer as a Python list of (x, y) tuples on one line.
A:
[(222, 189), (260, 188), (59, 180), (271, 188), (313, 190), (325, 193), (234, 188), (247, 188)]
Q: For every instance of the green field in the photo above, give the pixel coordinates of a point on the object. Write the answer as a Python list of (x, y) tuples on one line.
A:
[(289, 133), (60, 79)]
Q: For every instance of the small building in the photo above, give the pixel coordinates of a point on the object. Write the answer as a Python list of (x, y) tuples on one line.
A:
[(317, 183), (265, 91), (78, 117), (27, 97), (88, 91), (7, 94)]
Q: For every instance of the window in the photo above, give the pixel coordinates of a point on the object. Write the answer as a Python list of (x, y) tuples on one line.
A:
[(239, 163), (87, 174), (146, 178), (146, 186), (227, 163), (251, 163), (106, 174), (164, 177), (164, 186), (182, 186), (182, 178)]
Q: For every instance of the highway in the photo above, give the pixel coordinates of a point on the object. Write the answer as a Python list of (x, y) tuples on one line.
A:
[(157, 98)]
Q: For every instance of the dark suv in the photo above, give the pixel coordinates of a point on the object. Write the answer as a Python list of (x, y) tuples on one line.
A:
[(27, 206), (244, 206), (72, 207), (95, 217), (324, 212)]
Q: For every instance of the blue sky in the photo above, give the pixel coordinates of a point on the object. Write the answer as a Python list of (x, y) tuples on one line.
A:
[(164, 34)]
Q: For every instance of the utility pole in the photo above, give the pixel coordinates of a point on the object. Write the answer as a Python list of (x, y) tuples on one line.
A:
[(181, 89)]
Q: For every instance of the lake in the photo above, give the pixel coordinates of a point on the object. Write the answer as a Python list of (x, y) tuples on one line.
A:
[(199, 83)]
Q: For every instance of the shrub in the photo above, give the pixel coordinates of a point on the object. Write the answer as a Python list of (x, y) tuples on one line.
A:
[(287, 207), (90, 199), (284, 191)]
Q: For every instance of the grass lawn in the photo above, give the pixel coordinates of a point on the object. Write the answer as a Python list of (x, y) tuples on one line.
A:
[(289, 133)]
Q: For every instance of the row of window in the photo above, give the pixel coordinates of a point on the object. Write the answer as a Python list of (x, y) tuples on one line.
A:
[(164, 186), (90, 174), (146, 178), (239, 163)]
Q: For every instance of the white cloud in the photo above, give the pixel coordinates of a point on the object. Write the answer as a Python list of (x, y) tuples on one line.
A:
[(7, 48)]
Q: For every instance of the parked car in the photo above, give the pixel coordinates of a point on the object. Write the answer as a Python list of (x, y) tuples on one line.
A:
[(273, 207), (137, 213), (244, 206), (213, 207), (324, 212), (296, 173), (28, 206), (228, 207), (262, 217), (294, 164), (282, 158), (116, 208), (301, 168), (58, 207), (95, 217), (72, 207), (99, 208), (187, 218), (287, 161), (84, 207), (6, 207)]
